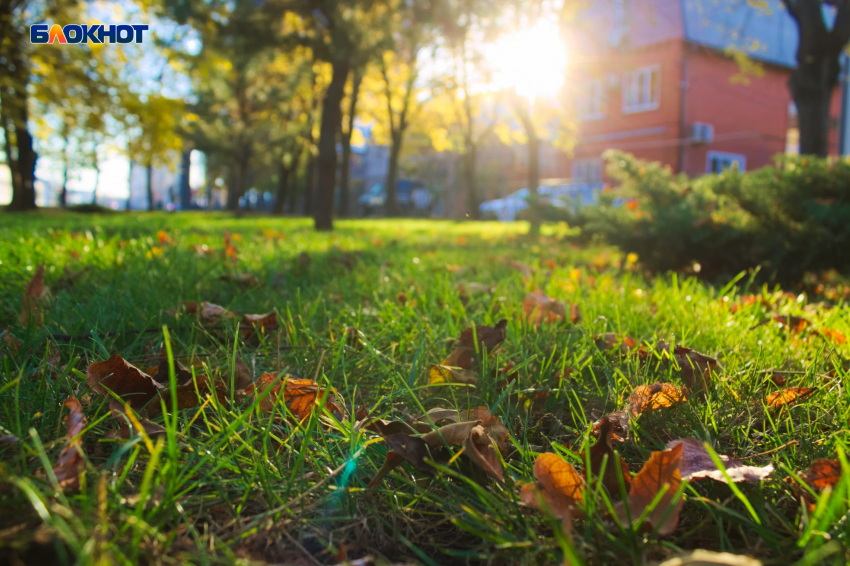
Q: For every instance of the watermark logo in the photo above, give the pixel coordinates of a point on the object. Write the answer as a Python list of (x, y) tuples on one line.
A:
[(97, 33)]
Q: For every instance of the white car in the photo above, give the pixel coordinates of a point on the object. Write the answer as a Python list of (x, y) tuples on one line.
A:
[(578, 194)]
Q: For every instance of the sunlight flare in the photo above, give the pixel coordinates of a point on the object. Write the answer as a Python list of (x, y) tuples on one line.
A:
[(531, 61)]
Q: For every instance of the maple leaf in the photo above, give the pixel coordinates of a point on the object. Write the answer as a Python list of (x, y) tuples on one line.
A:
[(601, 450), (70, 464), (788, 397), (662, 469), (697, 463), (35, 292), (539, 308), (558, 485), (646, 398), (301, 396), (124, 379)]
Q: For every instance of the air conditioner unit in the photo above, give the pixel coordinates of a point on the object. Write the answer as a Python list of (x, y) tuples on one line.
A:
[(702, 133)]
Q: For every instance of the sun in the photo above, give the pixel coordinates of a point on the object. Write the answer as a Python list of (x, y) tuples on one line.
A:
[(531, 61)]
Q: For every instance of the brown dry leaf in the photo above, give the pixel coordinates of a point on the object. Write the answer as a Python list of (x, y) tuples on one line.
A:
[(70, 464), (793, 323), (461, 357), (300, 395), (252, 323), (384, 427), (479, 447), (187, 395), (696, 367), (489, 421), (392, 461), (12, 344), (445, 374), (450, 434), (822, 474), (602, 449), (401, 298), (788, 397), (35, 291), (575, 314), (242, 378), (488, 336), (558, 484), (230, 252), (67, 281), (248, 279), (697, 463), (661, 469), (620, 420), (526, 270), (182, 374), (540, 308), (211, 313), (708, 558), (125, 380), (646, 398), (411, 449)]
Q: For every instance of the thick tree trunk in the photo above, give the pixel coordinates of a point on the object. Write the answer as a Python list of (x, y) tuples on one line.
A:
[(345, 169), (818, 66), (149, 171), (525, 117), (331, 117), (240, 178), (293, 195), (282, 188), (391, 204), (63, 193), (185, 188), (15, 114), (96, 182)]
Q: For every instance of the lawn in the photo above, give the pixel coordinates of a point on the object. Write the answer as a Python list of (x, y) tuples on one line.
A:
[(252, 475)]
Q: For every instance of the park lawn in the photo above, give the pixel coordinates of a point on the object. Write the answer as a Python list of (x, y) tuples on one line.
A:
[(227, 482)]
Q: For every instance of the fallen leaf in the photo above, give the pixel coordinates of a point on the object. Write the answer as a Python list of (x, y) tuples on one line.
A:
[(125, 380), (620, 422), (540, 308), (229, 249), (601, 450), (559, 486), (445, 374), (697, 463), (401, 298), (526, 270), (248, 279), (450, 434), (12, 344), (35, 291), (300, 395), (646, 398), (822, 474), (242, 378), (252, 323), (384, 427), (788, 397), (793, 323), (67, 281), (611, 340), (488, 337), (696, 368), (708, 558), (575, 314), (70, 464), (413, 450), (479, 447), (832, 335), (661, 470), (461, 357), (210, 313)]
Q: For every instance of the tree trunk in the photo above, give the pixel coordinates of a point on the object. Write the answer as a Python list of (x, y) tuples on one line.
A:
[(331, 117), (282, 188), (63, 194), (96, 181), (240, 178), (345, 170), (472, 202), (150, 185), (15, 113), (818, 66), (525, 117), (391, 204), (185, 188)]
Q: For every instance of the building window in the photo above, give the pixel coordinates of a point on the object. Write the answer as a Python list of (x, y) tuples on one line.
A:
[(591, 101), (719, 161), (641, 89), (587, 170)]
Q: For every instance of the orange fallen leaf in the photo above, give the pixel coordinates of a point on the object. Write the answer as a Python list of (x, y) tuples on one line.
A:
[(646, 398), (558, 485), (697, 463), (832, 335), (34, 293), (620, 430), (70, 464), (788, 397), (602, 450), (822, 474), (301, 396), (229, 249), (661, 470), (163, 237), (610, 340), (540, 308), (127, 381)]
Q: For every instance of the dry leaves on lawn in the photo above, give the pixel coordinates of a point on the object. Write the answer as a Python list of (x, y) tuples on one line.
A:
[(788, 397), (696, 368), (646, 398), (697, 463), (661, 470), (70, 464), (558, 485), (124, 379), (301, 396), (602, 450), (540, 308), (35, 292), (446, 374), (488, 337), (822, 474)]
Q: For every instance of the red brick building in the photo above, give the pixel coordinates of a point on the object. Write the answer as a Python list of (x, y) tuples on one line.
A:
[(659, 79)]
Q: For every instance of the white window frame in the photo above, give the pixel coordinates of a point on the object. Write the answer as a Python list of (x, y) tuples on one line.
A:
[(727, 159), (591, 100), (648, 99)]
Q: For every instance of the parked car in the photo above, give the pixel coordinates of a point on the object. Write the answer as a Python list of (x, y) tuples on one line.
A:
[(412, 198), (506, 209)]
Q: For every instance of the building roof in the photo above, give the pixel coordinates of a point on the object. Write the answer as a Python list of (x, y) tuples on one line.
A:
[(762, 29)]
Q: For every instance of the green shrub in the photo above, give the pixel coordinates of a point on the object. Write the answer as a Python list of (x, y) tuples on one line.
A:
[(788, 219)]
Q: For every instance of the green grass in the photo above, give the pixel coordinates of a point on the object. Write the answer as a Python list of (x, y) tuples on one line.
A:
[(227, 484)]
